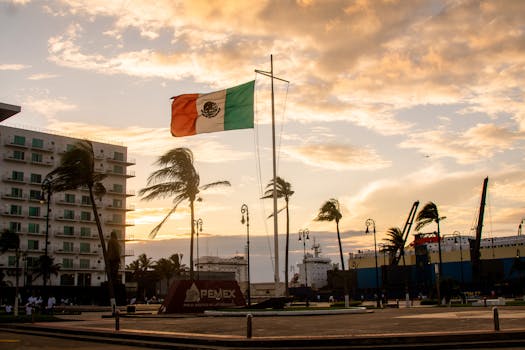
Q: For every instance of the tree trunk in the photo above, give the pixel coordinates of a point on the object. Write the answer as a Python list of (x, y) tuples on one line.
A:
[(340, 246), (192, 211), (111, 289)]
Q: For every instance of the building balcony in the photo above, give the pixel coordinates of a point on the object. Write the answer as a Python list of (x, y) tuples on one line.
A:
[(45, 148), (128, 193), (66, 218), (66, 251), (37, 234), (119, 223), (14, 215), (126, 174), (120, 208), (38, 217), (90, 237), (12, 143), (14, 197), (12, 158), (44, 162), (65, 202), (60, 234), (8, 178), (126, 162)]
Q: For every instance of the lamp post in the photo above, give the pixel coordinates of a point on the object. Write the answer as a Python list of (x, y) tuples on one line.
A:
[(244, 210), (198, 227), (46, 197), (303, 236), (368, 223)]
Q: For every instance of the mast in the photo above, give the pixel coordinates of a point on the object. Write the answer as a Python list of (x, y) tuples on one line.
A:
[(274, 163)]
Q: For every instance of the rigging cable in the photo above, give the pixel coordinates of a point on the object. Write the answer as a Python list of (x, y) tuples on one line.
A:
[(259, 178)]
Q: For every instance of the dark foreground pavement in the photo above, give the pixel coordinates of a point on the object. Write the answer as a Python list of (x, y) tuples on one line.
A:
[(422, 328)]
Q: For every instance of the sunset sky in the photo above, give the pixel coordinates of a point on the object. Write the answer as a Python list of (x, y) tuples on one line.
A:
[(389, 102)]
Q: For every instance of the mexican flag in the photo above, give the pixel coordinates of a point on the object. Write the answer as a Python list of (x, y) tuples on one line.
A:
[(217, 111)]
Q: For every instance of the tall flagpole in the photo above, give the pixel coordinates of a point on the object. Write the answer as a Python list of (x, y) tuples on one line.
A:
[(275, 223)]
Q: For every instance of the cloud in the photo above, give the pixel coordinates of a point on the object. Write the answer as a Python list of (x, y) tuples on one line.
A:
[(337, 156), (42, 76), (47, 106), (13, 66), (478, 143)]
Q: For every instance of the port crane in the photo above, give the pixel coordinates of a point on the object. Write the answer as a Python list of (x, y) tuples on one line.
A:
[(475, 255), (406, 230)]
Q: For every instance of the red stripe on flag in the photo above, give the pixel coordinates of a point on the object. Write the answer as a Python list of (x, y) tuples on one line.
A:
[(184, 115)]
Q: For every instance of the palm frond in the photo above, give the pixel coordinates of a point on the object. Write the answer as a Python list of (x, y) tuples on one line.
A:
[(215, 184), (157, 228), (278, 211)]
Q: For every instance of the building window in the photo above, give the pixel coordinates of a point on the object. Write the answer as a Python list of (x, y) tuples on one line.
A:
[(33, 228), (67, 246), (69, 230), (32, 244), (118, 169), (36, 158), (85, 247), (15, 210), (118, 188), (69, 198), (11, 260), (17, 175), (84, 279), (85, 216), (19, 140), (67, 263), (117, 203), (86, 200), (118, 156), (37, 143), (117, 219), (35, 195), (85, 232), (18, 155), (69, 214), (36, 178), (67, 279), (84, 263), (16, 192), (34, 211), (15, 226)]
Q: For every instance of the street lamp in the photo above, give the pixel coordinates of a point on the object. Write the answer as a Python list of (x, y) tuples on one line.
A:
[(46, 198), (303, 236), (198, 227), (368, 223), (244, 210)]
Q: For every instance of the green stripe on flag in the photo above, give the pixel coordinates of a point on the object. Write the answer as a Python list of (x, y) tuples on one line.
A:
[(238, 111)]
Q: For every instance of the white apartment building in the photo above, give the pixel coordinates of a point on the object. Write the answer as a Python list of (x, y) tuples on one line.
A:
[(26, 157)]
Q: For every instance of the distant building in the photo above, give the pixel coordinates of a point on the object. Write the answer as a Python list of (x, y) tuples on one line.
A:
[(237, 265), (26, 157), (314, 269)]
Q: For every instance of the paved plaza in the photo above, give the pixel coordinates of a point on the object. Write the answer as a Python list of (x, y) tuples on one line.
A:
[(389, 326)]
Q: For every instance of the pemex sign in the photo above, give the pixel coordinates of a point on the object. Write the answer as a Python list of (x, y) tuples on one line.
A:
[(199, 295)]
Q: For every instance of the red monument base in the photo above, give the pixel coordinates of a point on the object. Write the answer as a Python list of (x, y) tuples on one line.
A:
[(188, 296)]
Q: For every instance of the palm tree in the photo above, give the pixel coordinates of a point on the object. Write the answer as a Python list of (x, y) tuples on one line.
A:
[(45, 266), (165, 269), (10, 240), (428, 214), (394, 242), (141, 270), (177, 177), (283, 189), (330, 211), (77, 169)]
